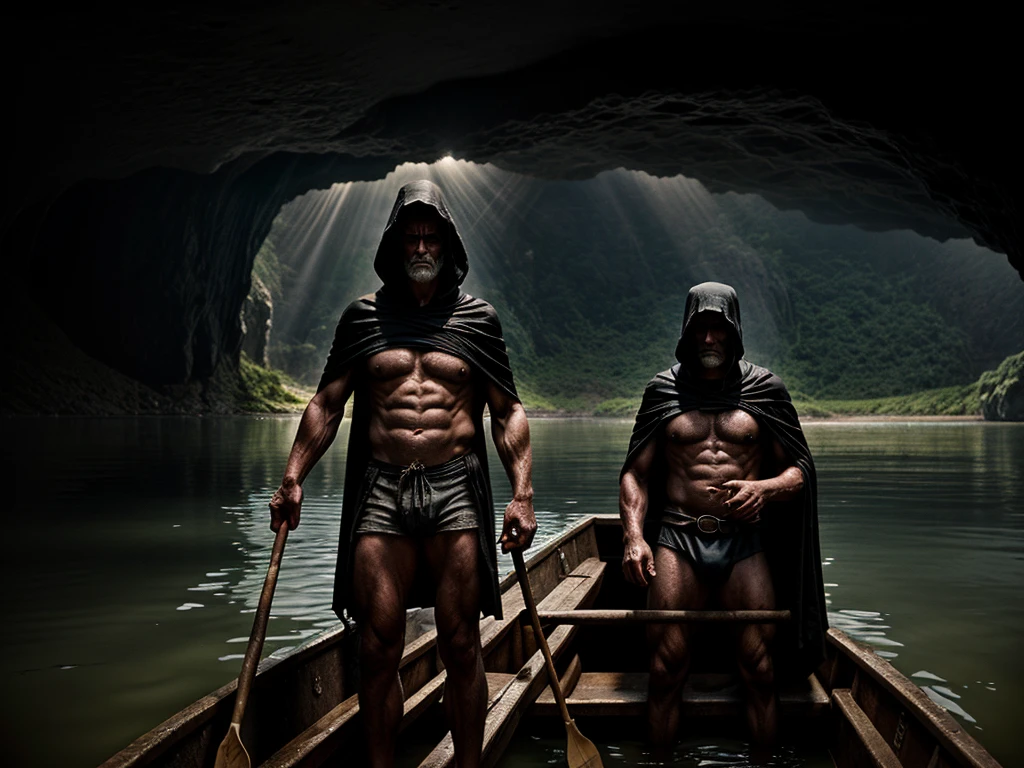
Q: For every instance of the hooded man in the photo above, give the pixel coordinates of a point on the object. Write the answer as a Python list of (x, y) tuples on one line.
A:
[(422, 359), (718, 499)]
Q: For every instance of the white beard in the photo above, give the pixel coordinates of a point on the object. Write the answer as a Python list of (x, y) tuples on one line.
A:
[(423, 272), (711, 359)]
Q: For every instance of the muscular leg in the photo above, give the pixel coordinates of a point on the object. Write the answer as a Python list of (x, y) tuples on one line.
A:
[(383, 572), (674, 588), (749, 587), (453, 560)]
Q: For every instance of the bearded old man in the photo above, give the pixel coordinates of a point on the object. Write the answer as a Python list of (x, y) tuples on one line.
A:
[(718, 501), (422, 359)]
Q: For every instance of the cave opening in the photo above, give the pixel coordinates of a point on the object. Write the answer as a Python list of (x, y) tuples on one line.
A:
[(156, 149), (589, 277)]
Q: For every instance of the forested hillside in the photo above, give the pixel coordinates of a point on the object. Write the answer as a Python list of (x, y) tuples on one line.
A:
[(590, 279)]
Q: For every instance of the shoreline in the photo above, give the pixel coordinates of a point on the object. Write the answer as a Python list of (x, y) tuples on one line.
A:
[(847, 418), (838, 418), (542, 415)]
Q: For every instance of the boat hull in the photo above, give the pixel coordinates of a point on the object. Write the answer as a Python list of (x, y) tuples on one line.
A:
[(304, 709)]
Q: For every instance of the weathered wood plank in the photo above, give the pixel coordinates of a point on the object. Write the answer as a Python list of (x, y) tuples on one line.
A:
[(860, 744), (318, 742), (505, 714), (942, 726), (571, 677), (506, 710), (310, 748), (307, 684), (187, 737), (609, 694)]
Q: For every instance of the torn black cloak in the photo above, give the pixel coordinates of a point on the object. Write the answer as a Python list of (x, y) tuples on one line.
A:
[(789, 528), (453, 322)]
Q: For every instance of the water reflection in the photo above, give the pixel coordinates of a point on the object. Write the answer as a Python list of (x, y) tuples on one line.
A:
[(140, 548)]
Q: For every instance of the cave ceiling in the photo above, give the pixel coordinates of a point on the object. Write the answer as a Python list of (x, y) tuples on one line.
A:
[(855, 114), (149, 149)]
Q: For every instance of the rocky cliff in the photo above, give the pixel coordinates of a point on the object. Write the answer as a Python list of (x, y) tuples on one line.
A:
[(1002, 391)]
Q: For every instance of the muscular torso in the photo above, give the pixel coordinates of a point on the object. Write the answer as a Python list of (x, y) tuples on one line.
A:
[(421, 406), (706, 449)]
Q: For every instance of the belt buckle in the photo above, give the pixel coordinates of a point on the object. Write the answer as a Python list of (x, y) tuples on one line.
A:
[(714, 521)]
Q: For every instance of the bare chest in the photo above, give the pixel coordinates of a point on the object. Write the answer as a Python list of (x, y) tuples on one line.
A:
[(397, 366), (695, 428)]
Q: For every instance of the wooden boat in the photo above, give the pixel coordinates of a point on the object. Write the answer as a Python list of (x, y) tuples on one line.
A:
[(304, 709)]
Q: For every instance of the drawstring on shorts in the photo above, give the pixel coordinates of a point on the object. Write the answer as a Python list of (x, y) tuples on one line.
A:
[(421, 495)]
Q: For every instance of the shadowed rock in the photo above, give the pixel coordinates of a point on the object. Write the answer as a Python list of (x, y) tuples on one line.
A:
[(151, 151)]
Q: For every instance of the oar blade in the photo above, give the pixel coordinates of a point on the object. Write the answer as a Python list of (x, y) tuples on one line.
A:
[(580, 751), (231, 753)]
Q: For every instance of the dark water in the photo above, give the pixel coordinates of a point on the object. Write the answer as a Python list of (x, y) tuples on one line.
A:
[(135, 550)]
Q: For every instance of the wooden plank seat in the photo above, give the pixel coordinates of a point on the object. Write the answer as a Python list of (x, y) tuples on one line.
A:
[(579, 589), (708, 695), (862, 744), (315, 745)]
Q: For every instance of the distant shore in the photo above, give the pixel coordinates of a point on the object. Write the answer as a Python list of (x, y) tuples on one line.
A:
[(888, 417), (803, 419)]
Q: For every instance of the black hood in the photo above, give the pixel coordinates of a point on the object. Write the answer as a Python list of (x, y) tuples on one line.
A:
[(388, 261), (711, 297)]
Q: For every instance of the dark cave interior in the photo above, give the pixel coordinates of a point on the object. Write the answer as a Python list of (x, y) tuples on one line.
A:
[(154, 149)]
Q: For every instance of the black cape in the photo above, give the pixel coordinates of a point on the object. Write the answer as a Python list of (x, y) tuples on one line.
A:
[(789, 528), (452, 322)]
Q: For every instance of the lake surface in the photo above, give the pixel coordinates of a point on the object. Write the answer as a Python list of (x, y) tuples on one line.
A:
[(135, 551)]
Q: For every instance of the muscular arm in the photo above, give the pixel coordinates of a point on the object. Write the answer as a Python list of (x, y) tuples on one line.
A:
[(748, 497), (317, 430), (511, 433), (637, 558)]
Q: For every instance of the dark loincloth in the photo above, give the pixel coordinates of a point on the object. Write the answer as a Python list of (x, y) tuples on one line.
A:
[(712, 554), (418, 500)]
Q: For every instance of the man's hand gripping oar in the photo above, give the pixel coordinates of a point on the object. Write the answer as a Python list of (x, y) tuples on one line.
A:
[(231, 753)]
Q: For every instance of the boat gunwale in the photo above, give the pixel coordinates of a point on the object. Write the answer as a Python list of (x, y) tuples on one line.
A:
[(150, 745), (939, 723)]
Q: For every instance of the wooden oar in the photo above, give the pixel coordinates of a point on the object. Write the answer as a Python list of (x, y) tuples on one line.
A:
[(231, 753), (580, 752)]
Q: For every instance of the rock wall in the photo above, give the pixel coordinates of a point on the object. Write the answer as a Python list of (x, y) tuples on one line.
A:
[(153, 149), (149, 274), (257, 320), (1002, 391)]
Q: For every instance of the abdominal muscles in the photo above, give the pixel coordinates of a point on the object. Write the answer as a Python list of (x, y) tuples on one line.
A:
[(703, 451), (423, 414)]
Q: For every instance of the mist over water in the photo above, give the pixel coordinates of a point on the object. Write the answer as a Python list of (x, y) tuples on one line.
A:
[(137, 549)]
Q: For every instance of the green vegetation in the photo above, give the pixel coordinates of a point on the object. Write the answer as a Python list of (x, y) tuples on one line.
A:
[(267, 391), (1001, 392), (998, 382), (948, 401), (618, 407), (590, 279)]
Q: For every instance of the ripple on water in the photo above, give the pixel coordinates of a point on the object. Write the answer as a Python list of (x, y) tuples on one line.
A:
[(946, 702)]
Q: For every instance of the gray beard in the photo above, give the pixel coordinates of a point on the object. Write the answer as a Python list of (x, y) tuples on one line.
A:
[(711, 359), (421, 272)]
